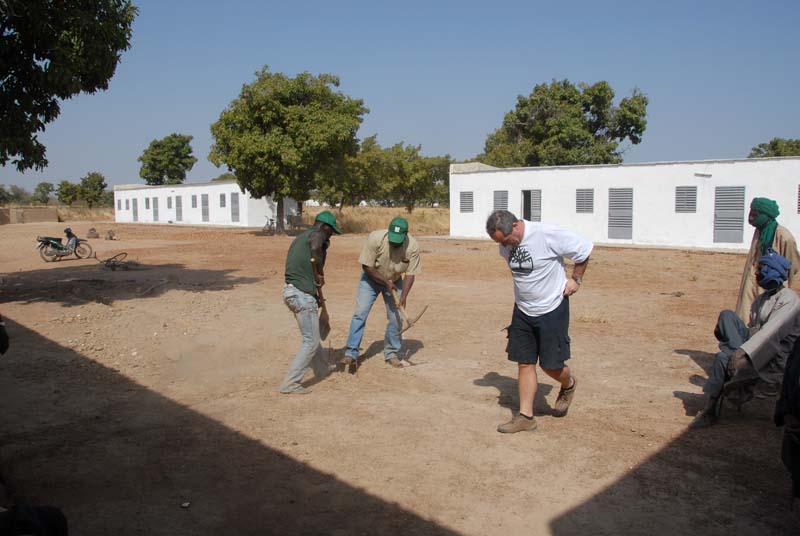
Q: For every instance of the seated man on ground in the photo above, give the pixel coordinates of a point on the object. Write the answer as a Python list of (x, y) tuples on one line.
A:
[(787, 414), (747, 355)]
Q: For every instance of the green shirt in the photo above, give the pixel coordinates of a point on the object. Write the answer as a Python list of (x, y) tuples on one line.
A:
[(299, 271)]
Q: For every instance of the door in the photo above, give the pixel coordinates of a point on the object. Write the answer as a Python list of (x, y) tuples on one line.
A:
[(235, 206), (532, 205), (620, 213), (729, 214), (204, 205)]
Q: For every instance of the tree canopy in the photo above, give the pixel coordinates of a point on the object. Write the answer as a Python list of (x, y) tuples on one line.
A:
[(776, 147), (283, 135), (51, 51), (41, 194), (561, 124), (167, 160), (92, 187), (67, 192)]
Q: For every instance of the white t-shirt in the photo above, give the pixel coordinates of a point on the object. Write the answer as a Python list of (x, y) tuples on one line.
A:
[(537, 265)]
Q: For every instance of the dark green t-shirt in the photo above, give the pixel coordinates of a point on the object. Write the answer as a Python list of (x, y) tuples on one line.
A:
[(299, 271)]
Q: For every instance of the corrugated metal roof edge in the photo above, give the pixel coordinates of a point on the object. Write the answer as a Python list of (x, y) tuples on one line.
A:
[(184, 185), (633, 164)]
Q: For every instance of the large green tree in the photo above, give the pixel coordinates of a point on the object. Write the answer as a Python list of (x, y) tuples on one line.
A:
[(283, 135), (361, 177), (413, 178), (167, 160), (561, 124), (92, 187), (5, 197), (776, 147), (19, 195), (51, 51), (41, 194), (67, 192)]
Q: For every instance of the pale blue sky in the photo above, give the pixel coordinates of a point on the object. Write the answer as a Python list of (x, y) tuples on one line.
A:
[(722, 76)]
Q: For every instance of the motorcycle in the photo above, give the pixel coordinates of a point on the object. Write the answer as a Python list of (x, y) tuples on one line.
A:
[(52, 248)]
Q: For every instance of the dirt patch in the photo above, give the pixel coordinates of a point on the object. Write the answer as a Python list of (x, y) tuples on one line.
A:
[(145, 401)]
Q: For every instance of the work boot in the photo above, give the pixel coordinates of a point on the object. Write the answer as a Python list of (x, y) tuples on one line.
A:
[(518, 423), (394, 362), (565, 399), (299, 390), (347, 361)]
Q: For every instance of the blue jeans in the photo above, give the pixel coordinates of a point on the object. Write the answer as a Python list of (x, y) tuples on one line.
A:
[(305, 309), (368, 291)]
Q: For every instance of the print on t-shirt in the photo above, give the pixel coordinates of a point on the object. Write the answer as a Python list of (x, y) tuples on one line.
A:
[(520, 260)]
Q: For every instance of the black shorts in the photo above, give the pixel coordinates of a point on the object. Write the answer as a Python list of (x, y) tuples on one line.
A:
[(533, 337)]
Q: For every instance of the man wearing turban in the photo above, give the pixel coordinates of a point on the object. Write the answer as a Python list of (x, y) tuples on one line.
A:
[(768, 234), (757, 351)]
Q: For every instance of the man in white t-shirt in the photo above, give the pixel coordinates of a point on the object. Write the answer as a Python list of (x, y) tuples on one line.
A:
[(386, 256), (539, 330)]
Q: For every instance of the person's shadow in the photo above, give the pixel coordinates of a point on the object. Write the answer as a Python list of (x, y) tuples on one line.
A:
[(693, 402), (507, 393), (410, 347)]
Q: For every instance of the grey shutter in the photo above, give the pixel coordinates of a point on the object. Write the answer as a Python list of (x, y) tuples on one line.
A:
[(127, 204), (798, 199), (501, 200), (204, 205), (222, 200), (135, 210), (685, 199), (584, 200), (235, 206), (620, 213), (119, 204), (536, 205), (147, 203), (729, 214), (155, 209), (466, 202), (169, 202), (178, 208), (194, 201)]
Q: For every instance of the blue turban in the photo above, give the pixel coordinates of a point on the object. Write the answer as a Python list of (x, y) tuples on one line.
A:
[(774, 269)]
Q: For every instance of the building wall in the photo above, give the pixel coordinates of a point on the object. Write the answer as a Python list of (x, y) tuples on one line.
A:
[(655, 220), (252, 212)]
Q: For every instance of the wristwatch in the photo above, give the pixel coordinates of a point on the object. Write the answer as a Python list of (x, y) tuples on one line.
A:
[(578, 280)]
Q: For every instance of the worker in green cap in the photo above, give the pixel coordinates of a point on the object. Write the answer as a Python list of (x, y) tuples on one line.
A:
[(302, 294), (768, 234), (386, 256)]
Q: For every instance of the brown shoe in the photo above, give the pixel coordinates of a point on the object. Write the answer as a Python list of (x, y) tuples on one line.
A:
[(565, 399), (347, 361), (518, 423), (704, 419), (394, 362)]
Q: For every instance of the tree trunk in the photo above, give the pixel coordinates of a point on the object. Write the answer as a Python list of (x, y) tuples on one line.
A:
[(279, 220)]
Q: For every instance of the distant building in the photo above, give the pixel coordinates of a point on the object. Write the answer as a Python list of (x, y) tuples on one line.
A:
[(207, 203), (701, 204)]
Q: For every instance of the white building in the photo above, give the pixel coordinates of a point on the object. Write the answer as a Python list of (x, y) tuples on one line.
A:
[(701, 204), (207, 203)]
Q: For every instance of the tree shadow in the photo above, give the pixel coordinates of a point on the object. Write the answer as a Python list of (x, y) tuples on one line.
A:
[(119, 458), (704, 360), (78, 285), (507, 393)]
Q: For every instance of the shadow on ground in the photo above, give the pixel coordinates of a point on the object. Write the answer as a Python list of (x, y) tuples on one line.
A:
[(121, 459), (77, 284), (508, 396)]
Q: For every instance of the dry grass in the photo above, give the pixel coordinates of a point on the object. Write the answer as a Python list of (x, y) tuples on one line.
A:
[(423, 221), (85, 214)]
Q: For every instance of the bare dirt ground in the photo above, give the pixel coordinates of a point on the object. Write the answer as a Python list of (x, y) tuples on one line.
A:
[(145, 401)]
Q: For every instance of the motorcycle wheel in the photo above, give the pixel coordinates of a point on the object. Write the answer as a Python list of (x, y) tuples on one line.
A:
[(83, 250), (47, 254)]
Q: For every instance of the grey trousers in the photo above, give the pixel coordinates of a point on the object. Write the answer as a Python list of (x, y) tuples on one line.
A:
[(731, 334)]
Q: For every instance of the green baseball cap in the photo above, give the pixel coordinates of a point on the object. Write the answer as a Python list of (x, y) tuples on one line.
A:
[(398, 229), (326, 217)]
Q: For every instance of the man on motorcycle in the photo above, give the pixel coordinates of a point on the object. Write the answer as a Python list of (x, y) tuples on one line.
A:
[(72, 240)]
